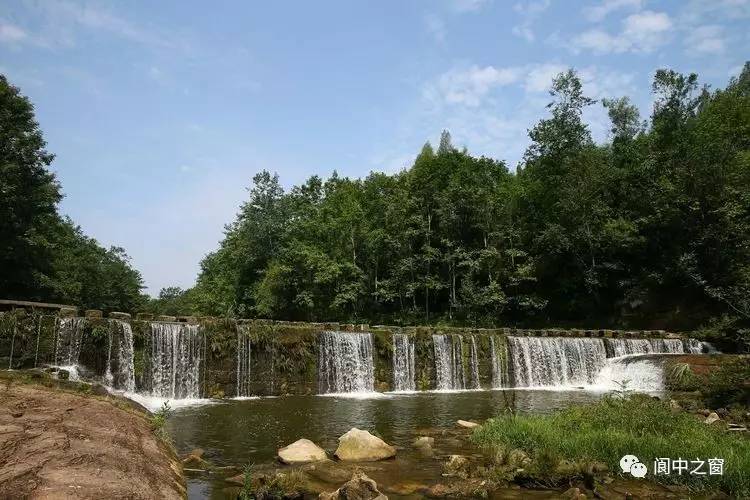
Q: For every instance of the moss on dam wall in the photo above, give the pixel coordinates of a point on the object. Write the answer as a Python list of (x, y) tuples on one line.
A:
[(284, 355)]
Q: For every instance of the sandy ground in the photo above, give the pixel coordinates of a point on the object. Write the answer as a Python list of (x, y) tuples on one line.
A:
[(60, 445)]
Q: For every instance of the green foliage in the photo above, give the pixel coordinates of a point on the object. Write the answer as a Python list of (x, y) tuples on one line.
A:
[(654, 223), (607, 430), (652, 226), (729, 385), (42, 255), (159, 420)]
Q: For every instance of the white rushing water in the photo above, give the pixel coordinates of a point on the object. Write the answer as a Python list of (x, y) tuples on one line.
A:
[(499, 360), (403, 363), (449, 362), (124, 377), (629, 373), (627, 347), (556, 361), (69, 336), (244, 352), (174, 366), (345, 363), (474, 364)]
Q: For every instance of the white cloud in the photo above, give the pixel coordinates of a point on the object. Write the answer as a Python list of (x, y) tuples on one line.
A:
[(641, 32), (468, 5), (530, 12), (10, 33), (470, 86), (467, 102), (705, 40), (598, 12), (539, 77)]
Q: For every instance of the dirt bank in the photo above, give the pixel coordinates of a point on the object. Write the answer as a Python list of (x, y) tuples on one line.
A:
[(59, 444)]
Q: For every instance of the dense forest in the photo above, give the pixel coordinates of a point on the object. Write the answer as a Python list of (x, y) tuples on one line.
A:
[(651, 228)]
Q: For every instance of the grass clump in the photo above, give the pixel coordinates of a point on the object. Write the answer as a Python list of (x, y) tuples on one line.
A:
[(159, 421), (609, 429)]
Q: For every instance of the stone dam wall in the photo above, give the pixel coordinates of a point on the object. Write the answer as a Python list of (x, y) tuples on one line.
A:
[(284, 356)]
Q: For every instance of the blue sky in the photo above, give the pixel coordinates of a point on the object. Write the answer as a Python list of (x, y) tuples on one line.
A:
[(160, 113)]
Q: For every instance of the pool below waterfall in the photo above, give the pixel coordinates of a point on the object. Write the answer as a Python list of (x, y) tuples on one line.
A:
[(238, 432)]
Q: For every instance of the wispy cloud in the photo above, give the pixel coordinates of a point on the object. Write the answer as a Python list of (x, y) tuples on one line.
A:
[(597, 12), (705, 40), (468, 5), (641, 32), (11, 34), (469, 86), (529, 12)]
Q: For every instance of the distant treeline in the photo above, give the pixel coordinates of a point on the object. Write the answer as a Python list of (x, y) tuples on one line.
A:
[(651, 228)]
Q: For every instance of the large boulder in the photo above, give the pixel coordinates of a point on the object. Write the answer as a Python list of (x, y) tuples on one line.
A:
[(361, 446), (301, 452), (360, 487)]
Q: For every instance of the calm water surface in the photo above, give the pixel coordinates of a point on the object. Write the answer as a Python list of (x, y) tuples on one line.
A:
[(239, 432)]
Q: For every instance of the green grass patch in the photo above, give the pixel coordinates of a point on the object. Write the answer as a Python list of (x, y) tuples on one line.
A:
[(637, 425)]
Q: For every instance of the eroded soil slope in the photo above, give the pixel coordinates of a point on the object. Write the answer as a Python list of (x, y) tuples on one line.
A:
[(56, 444)]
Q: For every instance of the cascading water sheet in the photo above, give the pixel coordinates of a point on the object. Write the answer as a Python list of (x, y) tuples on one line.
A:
[(244, 353), (628, 347), (449, 362), (175, 360), (124, 378), (556, 361), (345, 363), (68, 341), (403, 363), (474, 363)]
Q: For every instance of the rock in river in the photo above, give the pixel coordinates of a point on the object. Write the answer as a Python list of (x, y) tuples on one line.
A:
[(467, 424), (361, 446), (300, 452), (360, 487)]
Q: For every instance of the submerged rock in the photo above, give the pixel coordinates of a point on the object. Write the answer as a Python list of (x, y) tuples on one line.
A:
[(466, 424), (456, 466), (360, 487), (424, 441), (301, 451), (361, 446), (423, 444)]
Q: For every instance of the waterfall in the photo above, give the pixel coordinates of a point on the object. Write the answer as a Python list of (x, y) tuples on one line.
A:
[(693, 346), (449, 362), (627, 347), (499, 364), (108, 378), (345, 363), (474, 364), (175, 361), (68, 342), (243, 363), (556, 361), (403, 363), (125, 377)]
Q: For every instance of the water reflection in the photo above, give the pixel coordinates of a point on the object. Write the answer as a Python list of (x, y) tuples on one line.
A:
[(238, 432)]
